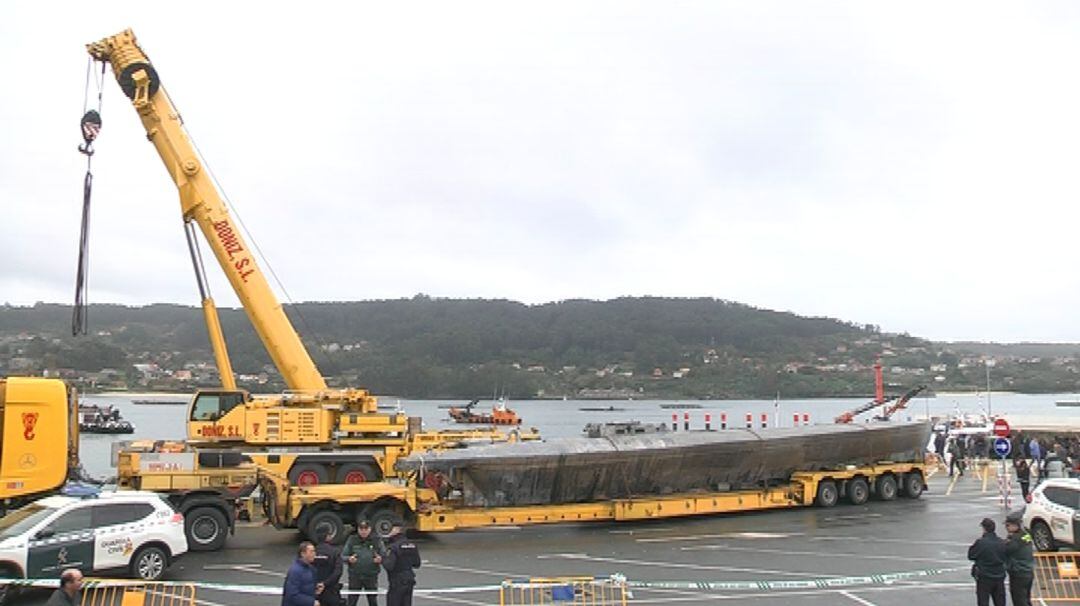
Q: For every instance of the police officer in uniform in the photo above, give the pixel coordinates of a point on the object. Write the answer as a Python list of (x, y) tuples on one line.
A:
[(401, 558), (363, 553), (1019, 560), (328, 569)]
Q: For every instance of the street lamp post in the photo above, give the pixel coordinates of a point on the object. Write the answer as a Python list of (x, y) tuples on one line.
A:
[(989, 407)]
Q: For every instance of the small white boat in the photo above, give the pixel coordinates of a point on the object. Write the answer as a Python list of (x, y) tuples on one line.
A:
[(1068, 402)]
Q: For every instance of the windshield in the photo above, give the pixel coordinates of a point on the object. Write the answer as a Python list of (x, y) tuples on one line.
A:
[(21, 520)]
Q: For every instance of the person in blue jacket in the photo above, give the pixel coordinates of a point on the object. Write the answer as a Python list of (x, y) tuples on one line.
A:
[(300, 586)]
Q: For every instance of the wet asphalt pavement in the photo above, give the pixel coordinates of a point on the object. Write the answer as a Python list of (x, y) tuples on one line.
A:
[(800, 544)]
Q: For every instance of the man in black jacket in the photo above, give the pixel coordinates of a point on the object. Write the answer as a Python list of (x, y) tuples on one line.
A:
[(401, 558), (328, 569), (988, 553)]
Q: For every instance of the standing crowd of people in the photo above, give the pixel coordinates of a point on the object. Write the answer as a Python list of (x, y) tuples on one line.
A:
[(1032, 457), (314, 579)]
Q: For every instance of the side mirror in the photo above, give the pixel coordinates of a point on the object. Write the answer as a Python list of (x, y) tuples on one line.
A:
[(45, 533)]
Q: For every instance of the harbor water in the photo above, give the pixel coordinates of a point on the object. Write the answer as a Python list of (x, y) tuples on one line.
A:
[(564, 418)]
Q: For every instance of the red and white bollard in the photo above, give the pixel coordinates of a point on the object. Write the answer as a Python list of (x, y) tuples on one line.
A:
[(749, 420), (764, 420), (795, 420), (723, 420), (805, 418), (708, 422), (686, 421), (674, 421)]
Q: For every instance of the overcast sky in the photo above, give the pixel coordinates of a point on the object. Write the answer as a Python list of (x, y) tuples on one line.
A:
[(912, 165)]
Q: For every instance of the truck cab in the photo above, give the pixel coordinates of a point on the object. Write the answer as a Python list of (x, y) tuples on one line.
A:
[(39, 427)]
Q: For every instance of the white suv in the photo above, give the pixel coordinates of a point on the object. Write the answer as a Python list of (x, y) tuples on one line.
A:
[(1053, 516), (137, 531)]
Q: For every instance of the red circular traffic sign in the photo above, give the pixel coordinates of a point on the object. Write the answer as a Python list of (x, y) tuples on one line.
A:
[(1001, 428)]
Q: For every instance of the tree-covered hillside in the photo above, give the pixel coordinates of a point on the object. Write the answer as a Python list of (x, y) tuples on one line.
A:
[(424, 347)]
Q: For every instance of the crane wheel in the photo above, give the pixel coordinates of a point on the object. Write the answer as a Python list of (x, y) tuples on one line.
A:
[(858, 491), (356, 473), (886, 487), (206, 529), (328, 522), (827, 494), (309, 474), (383, 520)]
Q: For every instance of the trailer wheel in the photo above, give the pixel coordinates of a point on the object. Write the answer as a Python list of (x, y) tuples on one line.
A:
[(325, 521), (206, 529), (886, 487), (308, 474), (858, 491), (913, 485), (1042, 537), (827, 494)]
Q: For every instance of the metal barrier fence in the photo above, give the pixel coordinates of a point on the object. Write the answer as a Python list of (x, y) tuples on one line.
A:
[(1057, 578), (586, 591), (112, 593)]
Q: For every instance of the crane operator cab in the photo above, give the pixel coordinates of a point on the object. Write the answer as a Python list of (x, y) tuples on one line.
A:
[(217, 416), (233, 416)]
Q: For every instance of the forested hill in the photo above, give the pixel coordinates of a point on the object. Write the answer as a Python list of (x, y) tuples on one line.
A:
[(425, 347)]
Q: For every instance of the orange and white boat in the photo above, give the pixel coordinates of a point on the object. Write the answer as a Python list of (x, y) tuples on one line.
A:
[(499, 415)]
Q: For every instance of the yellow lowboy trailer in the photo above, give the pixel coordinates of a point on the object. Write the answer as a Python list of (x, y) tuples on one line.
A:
[(323, 508)]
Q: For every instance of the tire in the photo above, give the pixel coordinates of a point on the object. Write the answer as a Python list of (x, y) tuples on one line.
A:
[(827, 494), (383, 520), (913, 485), (206, 529), (220, 458), (329, 521), (356, 473), (1042, 537), (858, 491), (309, 474), (886, 487), (149, 563)]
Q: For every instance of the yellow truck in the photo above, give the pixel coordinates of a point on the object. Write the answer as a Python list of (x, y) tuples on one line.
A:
[(39, 438)]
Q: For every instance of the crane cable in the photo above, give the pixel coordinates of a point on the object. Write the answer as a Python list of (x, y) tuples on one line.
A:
[(90, 126)]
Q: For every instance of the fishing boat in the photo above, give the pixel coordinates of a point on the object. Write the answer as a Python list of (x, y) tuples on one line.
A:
[(102, 419), (499, 415), (576, 470)]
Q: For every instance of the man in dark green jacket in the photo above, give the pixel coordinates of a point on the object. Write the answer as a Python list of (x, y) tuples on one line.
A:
[(1019, 560), (363, 553)]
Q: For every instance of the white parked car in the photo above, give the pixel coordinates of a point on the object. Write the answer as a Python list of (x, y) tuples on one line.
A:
[(135, 531), (1053, 515)]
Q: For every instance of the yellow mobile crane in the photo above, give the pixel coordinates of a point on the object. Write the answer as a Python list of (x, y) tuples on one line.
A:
[(311, 435)]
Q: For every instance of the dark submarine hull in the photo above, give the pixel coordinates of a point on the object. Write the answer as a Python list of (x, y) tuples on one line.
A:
[(575, 470)]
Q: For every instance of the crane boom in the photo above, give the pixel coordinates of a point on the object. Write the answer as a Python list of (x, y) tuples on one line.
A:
[(202, 203)]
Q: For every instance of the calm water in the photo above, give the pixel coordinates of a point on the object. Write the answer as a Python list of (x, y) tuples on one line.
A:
[(564, 418)]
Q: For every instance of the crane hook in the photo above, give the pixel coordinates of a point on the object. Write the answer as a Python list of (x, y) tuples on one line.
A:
[(91, 126)]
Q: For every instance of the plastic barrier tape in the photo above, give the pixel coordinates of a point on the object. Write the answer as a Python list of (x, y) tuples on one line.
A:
[(822, 583)]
